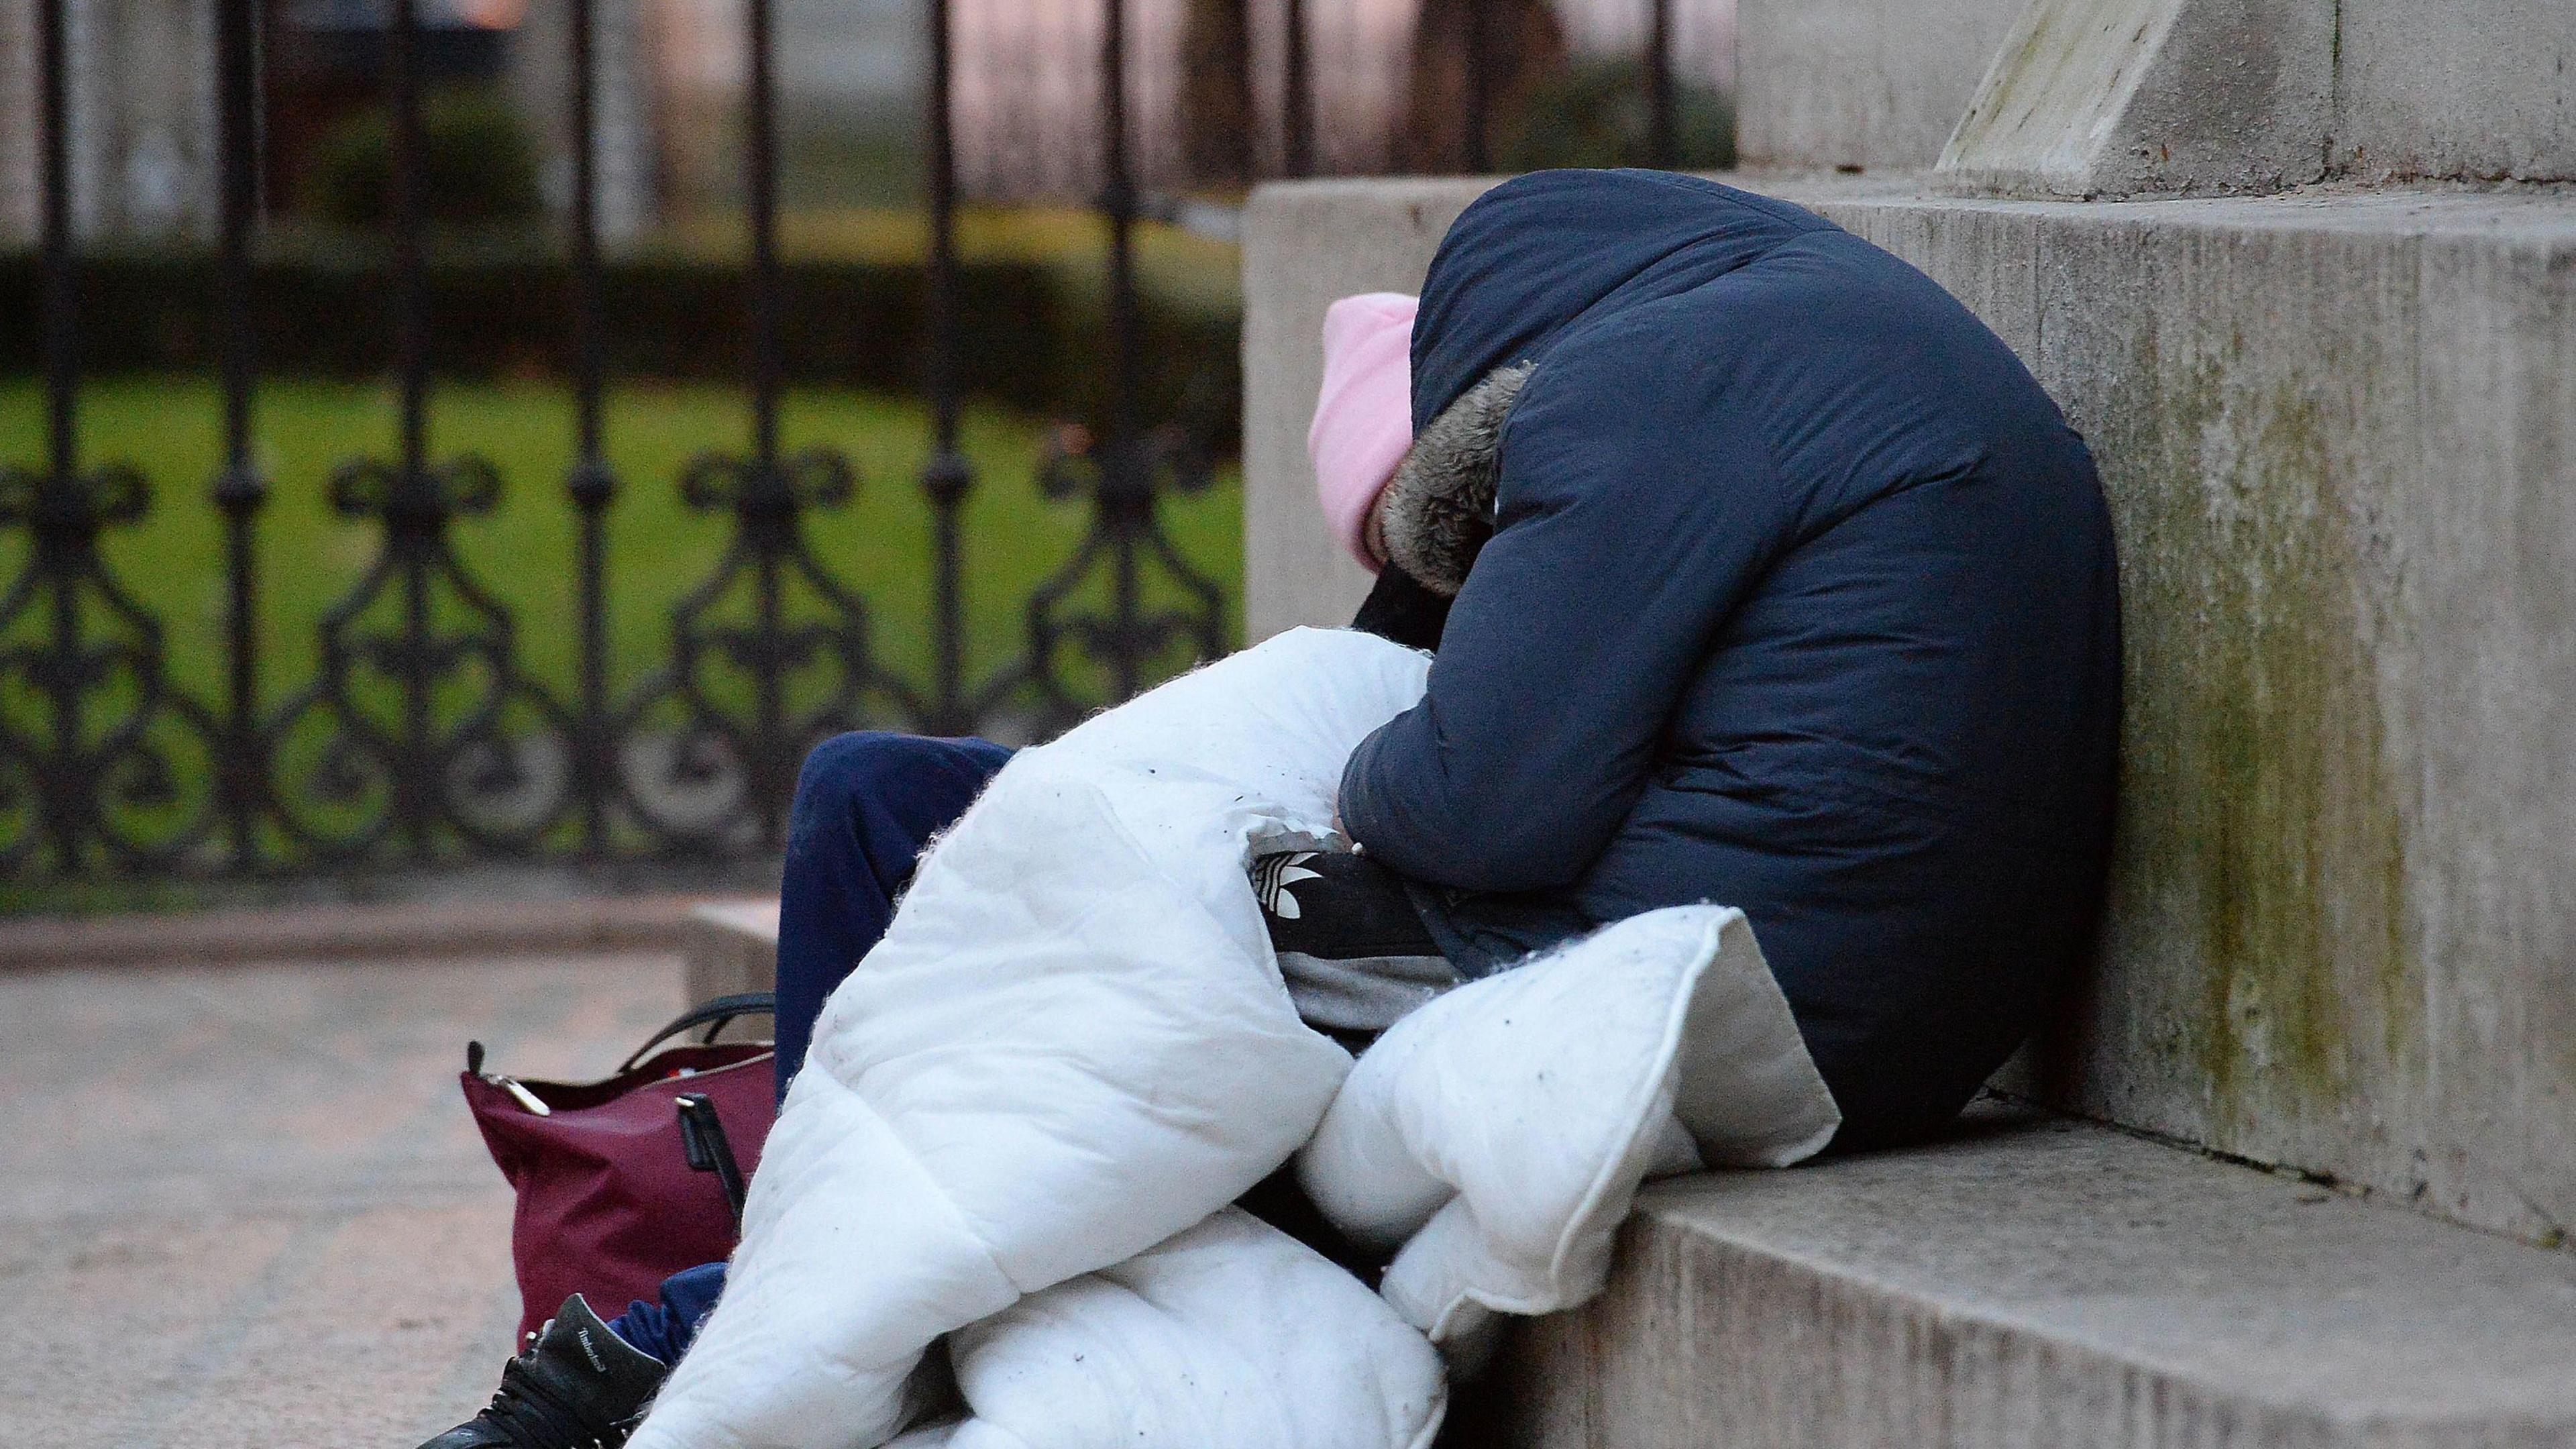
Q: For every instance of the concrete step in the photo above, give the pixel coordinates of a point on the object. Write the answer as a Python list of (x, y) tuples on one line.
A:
[(2037, 1283), (2033, 1283)]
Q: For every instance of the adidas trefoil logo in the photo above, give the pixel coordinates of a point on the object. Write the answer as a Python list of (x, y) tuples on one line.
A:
[(1274, 874)]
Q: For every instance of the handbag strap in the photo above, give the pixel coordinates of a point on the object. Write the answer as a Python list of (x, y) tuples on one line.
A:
[(712, 1014)]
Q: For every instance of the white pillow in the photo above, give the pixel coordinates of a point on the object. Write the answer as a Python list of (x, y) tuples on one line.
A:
[(1500, 1133), (1230, 1336)]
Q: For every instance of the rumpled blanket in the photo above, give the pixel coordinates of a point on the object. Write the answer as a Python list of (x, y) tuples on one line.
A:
[(994, 1210)]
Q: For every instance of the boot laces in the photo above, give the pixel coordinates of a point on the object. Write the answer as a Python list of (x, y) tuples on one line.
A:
[(536, 1417)]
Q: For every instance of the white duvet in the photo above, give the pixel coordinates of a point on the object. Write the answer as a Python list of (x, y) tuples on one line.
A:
[(993, 1212)]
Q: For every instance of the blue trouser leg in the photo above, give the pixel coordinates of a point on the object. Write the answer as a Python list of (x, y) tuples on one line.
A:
[(663, 1329), (865, 807)]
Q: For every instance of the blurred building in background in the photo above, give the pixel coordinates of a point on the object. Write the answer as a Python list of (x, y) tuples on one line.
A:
[(1205, 99), (142, 108), (850, 92), (496, 72)]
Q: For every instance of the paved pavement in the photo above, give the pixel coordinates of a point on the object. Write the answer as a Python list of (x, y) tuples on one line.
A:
[(244, 1206)]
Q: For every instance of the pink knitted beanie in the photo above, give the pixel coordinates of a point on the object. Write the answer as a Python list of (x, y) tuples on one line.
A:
[(1364, 415)]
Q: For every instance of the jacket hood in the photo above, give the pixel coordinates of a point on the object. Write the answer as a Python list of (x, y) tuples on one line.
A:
[(1438, 509), (1543, 253), (1531, 261)]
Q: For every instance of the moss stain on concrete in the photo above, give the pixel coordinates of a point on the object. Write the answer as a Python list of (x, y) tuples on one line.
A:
[(2259, 811)]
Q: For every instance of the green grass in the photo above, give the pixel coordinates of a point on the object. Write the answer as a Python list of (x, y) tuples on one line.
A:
[(1171, 263), (524, 551)]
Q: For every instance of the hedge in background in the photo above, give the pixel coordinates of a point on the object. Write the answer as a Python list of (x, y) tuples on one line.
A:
[(1026, 338)]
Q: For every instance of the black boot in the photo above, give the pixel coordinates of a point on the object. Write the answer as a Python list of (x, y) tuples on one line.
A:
[(578, 1386)]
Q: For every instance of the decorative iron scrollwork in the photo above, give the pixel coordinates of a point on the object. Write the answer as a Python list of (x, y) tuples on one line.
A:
[(1096, 631), (420, 725), (90, 730), (419, 735), (768, 655)]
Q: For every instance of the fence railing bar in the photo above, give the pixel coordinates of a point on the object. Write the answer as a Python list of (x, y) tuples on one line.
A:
[(760, 164), (1118, 201), (410, 284), (587, 345), (62, 343), (58, 497), (1296, 93), (592, 485), (237, 160), (1126, 496), (947, 476), (772, 504), (1663, 141), (1479, 49), (240, 491), (411, 495)]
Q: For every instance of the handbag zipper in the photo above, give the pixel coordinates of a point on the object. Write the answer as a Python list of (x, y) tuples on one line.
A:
[(474, 1067)]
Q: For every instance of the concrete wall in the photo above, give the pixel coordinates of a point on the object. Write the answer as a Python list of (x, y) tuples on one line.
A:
[(2471, 88), (2336, 438), (1870, 83)]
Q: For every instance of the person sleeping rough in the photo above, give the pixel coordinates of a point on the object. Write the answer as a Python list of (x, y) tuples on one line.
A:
[(1773, 579), (1755, 571)]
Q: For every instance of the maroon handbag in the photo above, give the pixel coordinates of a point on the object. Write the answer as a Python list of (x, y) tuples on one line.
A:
[(625, 1181)]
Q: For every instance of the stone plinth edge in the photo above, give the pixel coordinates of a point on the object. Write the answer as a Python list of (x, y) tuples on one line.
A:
[(2040, 1284)]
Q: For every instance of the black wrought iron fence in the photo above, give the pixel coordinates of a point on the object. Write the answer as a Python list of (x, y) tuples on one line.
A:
[(420, 734)]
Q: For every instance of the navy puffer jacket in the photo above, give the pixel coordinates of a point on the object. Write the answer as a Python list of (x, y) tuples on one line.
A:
[(1799, 597)]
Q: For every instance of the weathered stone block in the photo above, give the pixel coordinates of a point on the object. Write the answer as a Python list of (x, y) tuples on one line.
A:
[(2137, 97), (2334, 436), (2078, 98), (730, 947)]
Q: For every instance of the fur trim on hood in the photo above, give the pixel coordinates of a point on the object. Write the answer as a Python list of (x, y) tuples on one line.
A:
[(1439, 507)]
